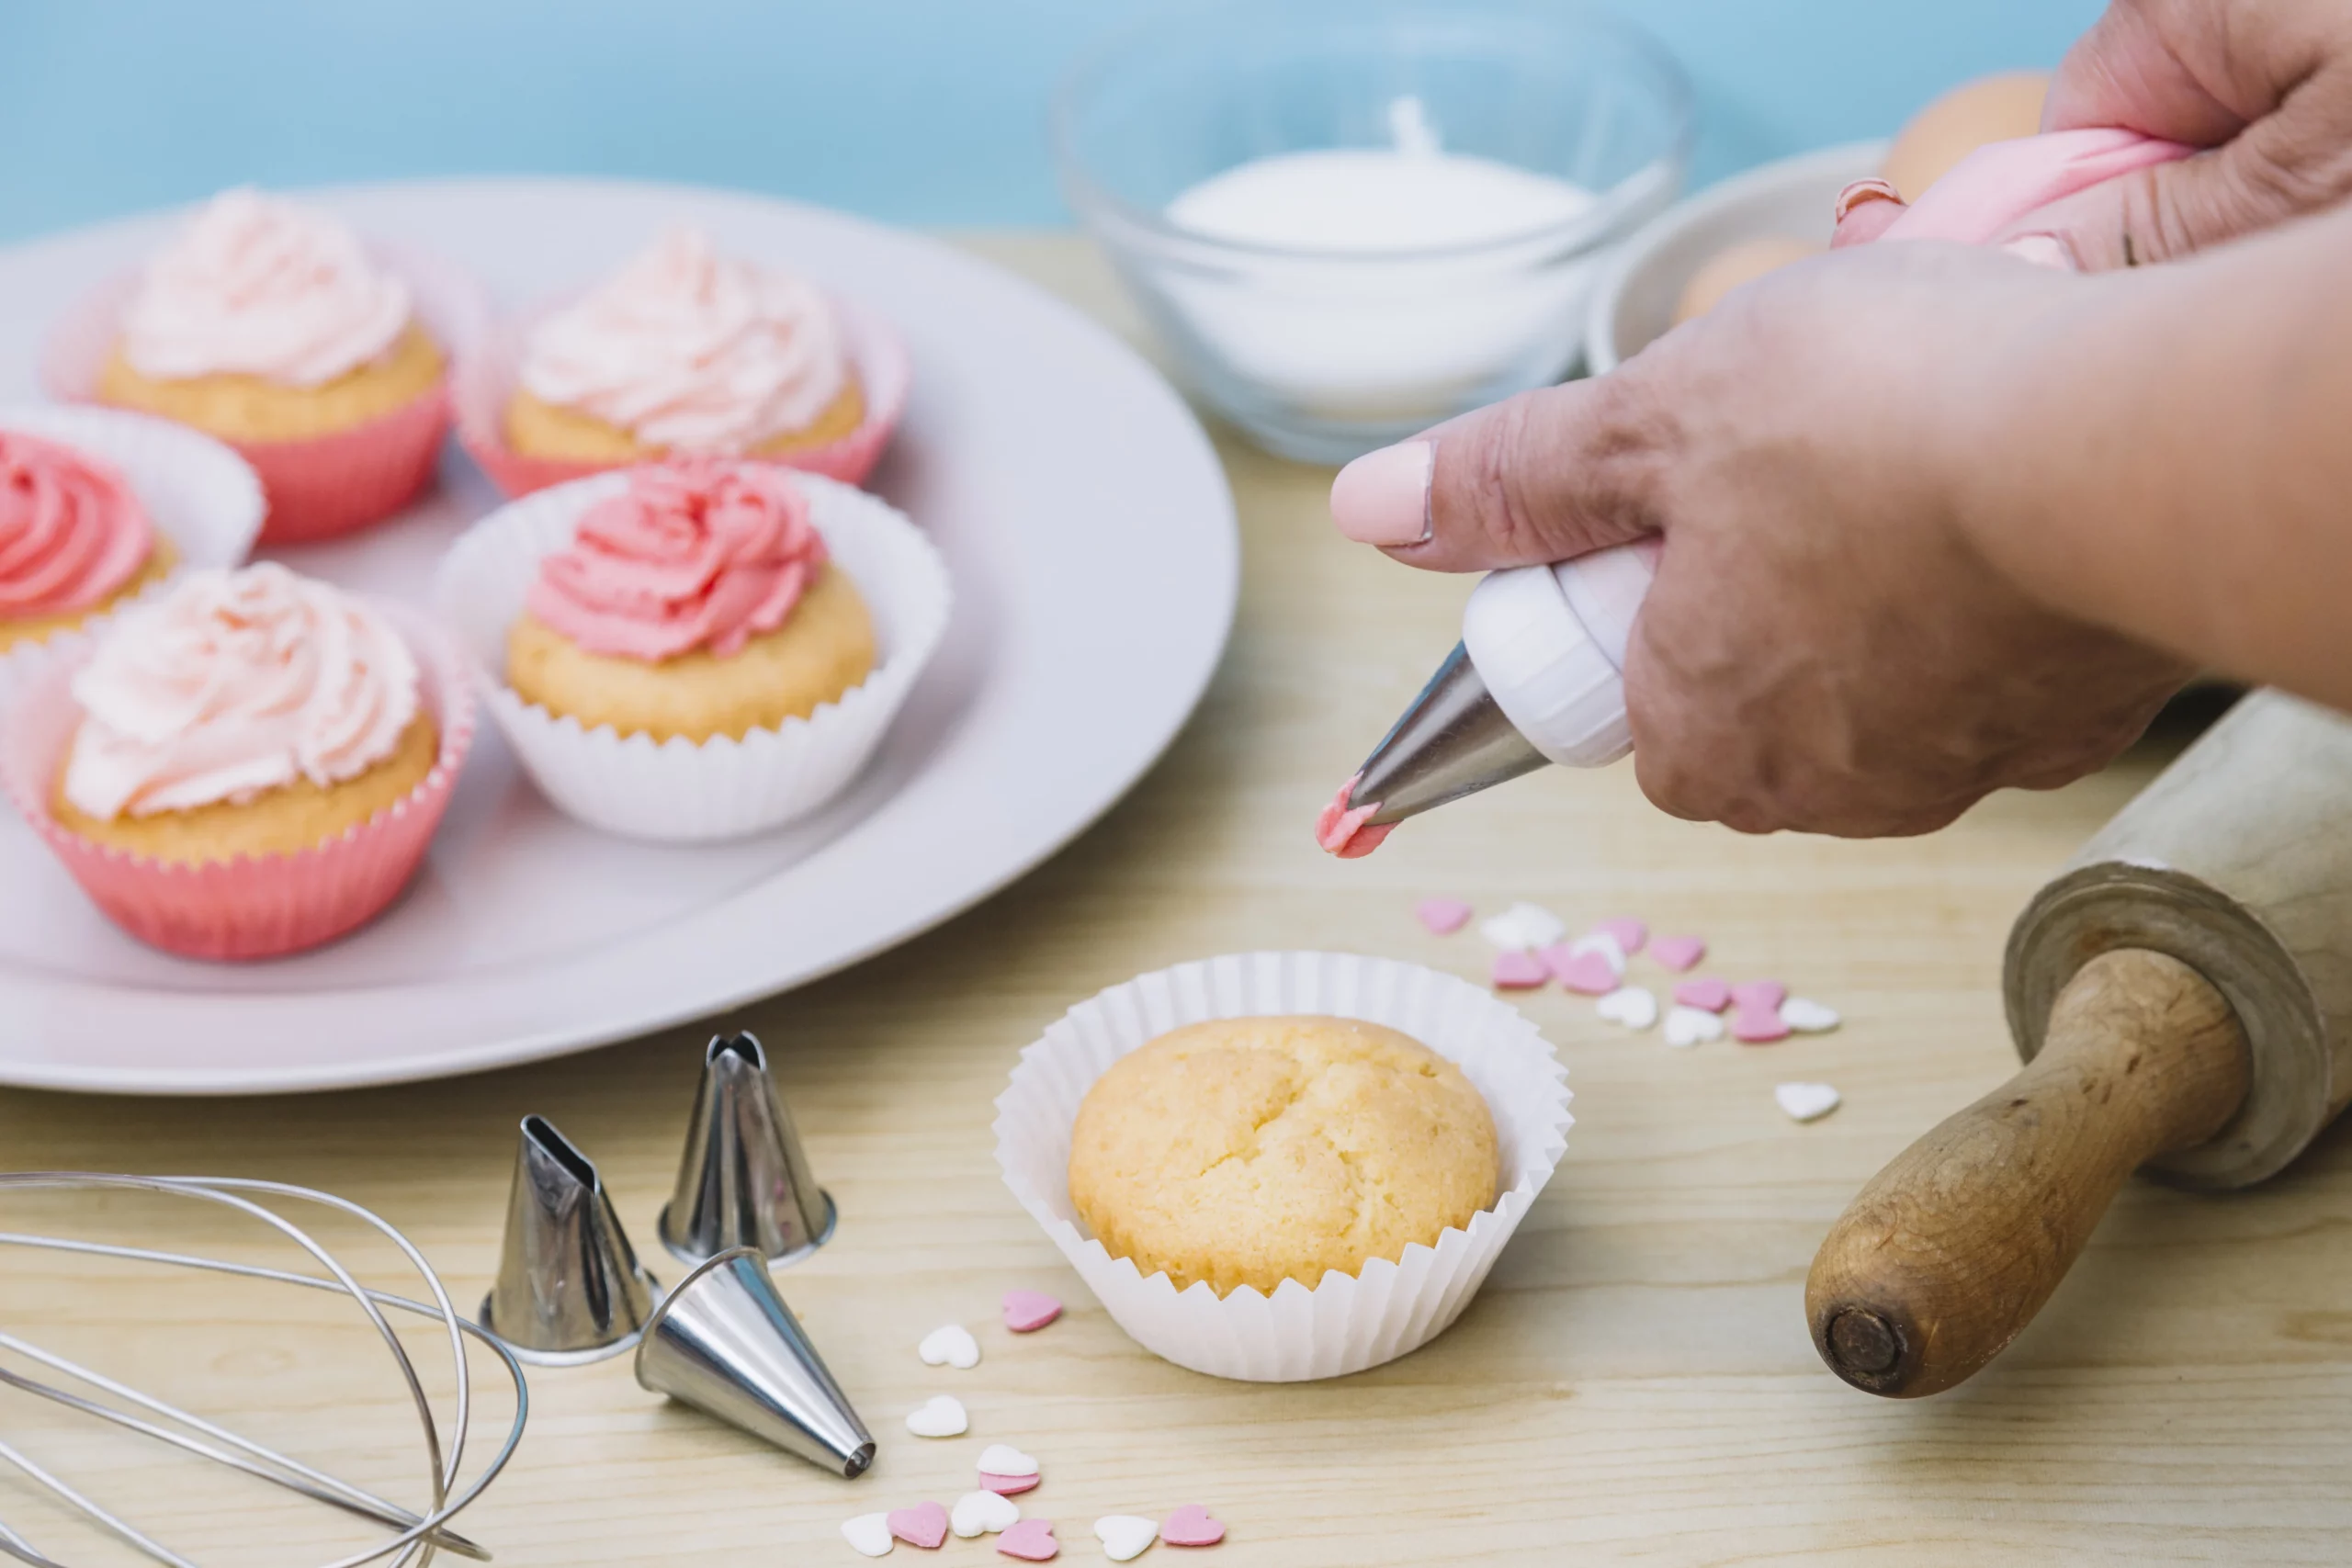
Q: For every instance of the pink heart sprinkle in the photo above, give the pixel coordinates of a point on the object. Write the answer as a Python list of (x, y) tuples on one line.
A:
[(1630, 932), (1757, 1026), (1443, 916), (924, 1525), (1519, 971), (1758, 996), (1192, 1525), (1590, 974), (1032, 1541), (1708, 995), (1679, 952), (1025, 1312), (1008, 1486)]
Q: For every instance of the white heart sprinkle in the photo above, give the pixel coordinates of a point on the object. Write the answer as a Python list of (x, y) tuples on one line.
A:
[(1807, 1016), (1124, 1536), (978, 1513), (952, 1346), (1806, 1101), (870, 1533), (943, 1417), (1635, 1007), (1604, 943), (1685, 1027), (1003, 1459), (1522, 928)]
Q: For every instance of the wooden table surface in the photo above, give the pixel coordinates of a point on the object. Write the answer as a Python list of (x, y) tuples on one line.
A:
[(1635, 1383)]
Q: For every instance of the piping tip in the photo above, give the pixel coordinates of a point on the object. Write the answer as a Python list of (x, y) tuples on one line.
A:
[(725, 1343), (1452, 742), (569, 1289), (744, 1180)]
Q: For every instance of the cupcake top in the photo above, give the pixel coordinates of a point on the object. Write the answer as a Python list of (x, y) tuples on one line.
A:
[(72, 532), (701, 553), (254, 286), (691, 351), (233, 683)]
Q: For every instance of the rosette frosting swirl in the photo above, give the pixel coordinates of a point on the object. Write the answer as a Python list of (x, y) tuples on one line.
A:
[(259, 287), (233, 683), (690, 351), (701, 553), (72, 532)]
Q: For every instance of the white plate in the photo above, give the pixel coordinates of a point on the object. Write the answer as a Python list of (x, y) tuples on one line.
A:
[(1091, 534)]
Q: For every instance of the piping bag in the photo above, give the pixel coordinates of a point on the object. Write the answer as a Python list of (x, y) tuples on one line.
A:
[(1539, 675)]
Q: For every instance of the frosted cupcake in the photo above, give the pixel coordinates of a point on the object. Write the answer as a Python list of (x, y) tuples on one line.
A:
[(73, 539), (696, 649), (272, 327), (251, 765), (685, 353)]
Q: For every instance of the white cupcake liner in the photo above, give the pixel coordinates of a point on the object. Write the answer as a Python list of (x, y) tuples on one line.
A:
[(1347, 1322), (679, 791), (199, 495)]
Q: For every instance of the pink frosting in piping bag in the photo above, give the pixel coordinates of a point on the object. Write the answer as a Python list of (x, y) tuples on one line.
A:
[(71, 530), (704, 553)]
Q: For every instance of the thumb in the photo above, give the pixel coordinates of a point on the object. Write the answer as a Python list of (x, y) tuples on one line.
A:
[(1544, 476)]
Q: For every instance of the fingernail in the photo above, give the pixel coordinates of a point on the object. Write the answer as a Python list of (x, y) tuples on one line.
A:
[(2043, 250), (1382, 498), (1861, 191)]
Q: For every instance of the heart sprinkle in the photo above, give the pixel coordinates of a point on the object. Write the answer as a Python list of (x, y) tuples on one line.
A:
[(950, 1345), (1588, 974), (1680, 954), (1001, 1461), (982, 1513), (924, 1525), (1442, 916), (1603, 943), (870, 1534), (1806, 1101), (1758, 996), (1124, 1536), (1707, 993), (1032, 1541), (1191, 1524), (1008, 1486), (1522, 928), (1808, 1017), (1634, 1006), (943, 1417), (1755, 1026), (1685, 1027), (1025, 1312), (1520, 971), (1631, 934)]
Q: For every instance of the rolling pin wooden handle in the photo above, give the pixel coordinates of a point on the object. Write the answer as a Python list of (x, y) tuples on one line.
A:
[(1950, 1251)]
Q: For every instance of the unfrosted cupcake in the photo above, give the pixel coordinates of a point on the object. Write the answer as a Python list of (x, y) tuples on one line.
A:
[(74, 540)]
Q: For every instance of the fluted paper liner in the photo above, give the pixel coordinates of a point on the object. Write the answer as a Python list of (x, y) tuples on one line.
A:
[(318, 486), (680, 790), (252, 907), (487, 377), (1348, 1322)]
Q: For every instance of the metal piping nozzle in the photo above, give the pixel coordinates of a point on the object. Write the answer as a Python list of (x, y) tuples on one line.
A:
[(743, 1179), (1452, 742), (569, 1289)]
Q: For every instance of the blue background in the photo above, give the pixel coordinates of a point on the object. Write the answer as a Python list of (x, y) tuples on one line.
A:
[(914, 111)]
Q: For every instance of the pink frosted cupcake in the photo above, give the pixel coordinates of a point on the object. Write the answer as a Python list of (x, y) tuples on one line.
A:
[(683, 352), (250, 765), (272, 327)]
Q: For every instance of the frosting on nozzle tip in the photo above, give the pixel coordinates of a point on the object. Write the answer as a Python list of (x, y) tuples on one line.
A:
[(1346, 830)]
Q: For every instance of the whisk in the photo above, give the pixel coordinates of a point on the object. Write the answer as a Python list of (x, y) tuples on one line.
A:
[(418, 1534)]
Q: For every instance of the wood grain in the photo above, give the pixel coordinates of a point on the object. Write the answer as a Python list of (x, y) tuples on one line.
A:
[(1635, 1382)]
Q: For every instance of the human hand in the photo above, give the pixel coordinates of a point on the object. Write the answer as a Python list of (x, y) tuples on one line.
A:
[(1824, 649)]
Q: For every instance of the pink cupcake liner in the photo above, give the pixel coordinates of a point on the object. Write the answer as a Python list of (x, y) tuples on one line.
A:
[(325, 485), (485, 379), (248, 908)]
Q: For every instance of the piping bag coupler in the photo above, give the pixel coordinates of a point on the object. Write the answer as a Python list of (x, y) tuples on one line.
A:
[(1537, 678)]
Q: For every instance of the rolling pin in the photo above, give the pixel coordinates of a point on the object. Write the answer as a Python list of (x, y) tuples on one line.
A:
[(2181, 995)]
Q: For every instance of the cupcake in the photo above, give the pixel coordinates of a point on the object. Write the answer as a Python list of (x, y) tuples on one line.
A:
[(271, 326), (1247, 1151), (685, 353), (251, 765), (698, 649)]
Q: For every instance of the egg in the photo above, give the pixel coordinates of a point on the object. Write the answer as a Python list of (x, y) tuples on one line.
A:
[(1990, 109), (1741, 263)]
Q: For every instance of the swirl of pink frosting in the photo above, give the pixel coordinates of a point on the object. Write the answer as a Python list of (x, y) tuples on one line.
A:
[(700, 553), (690, 351), (232, 684), (259, 287), (71, 530)]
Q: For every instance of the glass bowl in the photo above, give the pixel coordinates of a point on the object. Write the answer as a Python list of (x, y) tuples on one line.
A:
[(1322, 352)]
